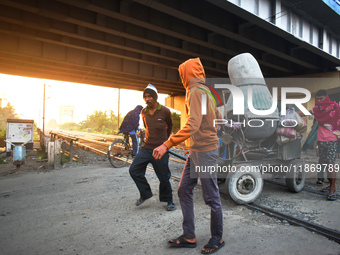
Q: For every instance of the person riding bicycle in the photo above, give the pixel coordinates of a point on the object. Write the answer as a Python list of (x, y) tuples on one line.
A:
[(130, 125)]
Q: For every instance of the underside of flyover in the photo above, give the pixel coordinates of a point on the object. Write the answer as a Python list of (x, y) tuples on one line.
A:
[(130, 43)]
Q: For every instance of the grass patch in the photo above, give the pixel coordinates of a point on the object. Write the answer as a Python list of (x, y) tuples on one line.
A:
[(65, 158), (3, 161), (41, 155)]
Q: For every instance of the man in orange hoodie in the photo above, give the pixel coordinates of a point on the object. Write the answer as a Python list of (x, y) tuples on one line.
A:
[(201, 137)]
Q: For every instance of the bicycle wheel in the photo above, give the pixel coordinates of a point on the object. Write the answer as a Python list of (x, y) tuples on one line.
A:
[(118, 153)]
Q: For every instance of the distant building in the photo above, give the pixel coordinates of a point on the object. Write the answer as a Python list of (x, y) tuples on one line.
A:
[(66, 114)]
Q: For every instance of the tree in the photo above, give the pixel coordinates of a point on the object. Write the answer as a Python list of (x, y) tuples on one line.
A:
[(7, 112), (100, 122), (52, 123), (114, 123), (176, 122), (69, 126)]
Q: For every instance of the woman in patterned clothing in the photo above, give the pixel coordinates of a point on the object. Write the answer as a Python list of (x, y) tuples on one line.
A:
[(327, 113)]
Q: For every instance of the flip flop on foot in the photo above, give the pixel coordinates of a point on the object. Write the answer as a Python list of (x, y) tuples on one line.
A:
[(212, 246), (331, 197), (181, 242), (141, 200)]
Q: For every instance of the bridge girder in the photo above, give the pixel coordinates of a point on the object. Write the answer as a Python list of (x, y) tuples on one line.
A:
[(130, 43)]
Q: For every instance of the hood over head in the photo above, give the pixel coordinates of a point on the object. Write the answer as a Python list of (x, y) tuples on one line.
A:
[(138, 108), (192, 68)]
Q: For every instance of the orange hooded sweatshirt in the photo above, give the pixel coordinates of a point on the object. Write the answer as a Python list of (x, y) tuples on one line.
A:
[(199, 128)]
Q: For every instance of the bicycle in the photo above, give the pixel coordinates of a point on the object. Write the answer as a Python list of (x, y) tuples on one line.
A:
[(121, 149)]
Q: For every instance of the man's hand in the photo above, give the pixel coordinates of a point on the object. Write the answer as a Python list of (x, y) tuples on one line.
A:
[(159, 152)]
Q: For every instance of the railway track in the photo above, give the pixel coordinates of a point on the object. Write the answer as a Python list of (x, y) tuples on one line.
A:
[(318, 192), (100, 143), (97, 143), (316, 228)]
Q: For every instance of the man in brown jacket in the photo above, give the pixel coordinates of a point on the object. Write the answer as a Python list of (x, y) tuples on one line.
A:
[(158, 124), (201, 137)]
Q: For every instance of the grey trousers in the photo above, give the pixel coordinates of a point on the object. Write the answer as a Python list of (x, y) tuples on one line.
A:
[(195, 167)]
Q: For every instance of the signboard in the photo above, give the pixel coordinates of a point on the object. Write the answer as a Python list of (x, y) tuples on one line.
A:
[(19, 131)]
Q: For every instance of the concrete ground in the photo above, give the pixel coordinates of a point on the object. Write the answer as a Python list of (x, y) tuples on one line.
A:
[(90, 210)]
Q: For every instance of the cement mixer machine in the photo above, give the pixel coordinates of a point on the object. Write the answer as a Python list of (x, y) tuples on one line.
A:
[(251, 147)]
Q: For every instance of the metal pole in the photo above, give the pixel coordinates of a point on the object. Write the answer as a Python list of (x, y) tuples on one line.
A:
[(118, 108), (178, 155), (44, 111)]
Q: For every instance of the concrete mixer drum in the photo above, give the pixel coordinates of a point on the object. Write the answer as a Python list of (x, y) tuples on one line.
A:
[(245, 73)]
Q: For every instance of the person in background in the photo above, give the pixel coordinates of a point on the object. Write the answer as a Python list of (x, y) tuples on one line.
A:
[(202, 154), (158, 123), (130, 125), (327, 113)]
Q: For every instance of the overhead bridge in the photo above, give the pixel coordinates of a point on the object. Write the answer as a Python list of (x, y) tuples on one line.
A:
[(130, 43)]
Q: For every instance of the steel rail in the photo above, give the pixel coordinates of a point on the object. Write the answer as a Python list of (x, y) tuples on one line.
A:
[(319, 192), (94, 141), (332, 234), (76, 142), (78, 138), (96, 150), (177, 155), (329, 233)]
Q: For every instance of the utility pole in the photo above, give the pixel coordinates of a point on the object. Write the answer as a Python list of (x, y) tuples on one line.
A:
[(118, 108), (44, 111)]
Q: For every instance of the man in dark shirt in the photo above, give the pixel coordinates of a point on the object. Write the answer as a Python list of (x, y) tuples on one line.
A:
[(158, 124)]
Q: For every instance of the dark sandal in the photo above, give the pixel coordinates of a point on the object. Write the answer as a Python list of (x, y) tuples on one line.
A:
[(141, 200), (326, 189), (171, 207), (319, 182), (182, 243), (331, 197), (213, 244)]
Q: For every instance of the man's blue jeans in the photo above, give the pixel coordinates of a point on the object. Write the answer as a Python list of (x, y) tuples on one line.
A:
[(135, 144)]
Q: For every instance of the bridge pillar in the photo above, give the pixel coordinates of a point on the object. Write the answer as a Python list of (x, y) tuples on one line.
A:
[(178, 103)]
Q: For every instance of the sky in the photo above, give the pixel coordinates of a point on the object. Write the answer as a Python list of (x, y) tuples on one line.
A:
[(26, 96)]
